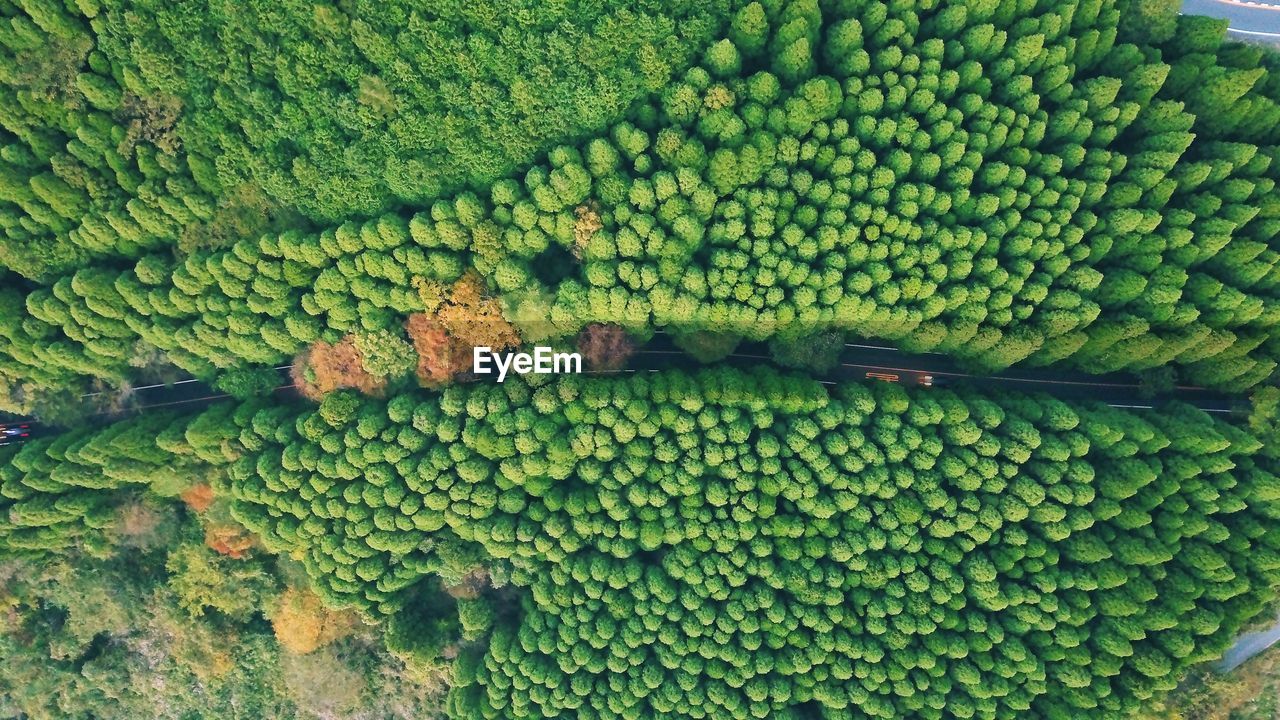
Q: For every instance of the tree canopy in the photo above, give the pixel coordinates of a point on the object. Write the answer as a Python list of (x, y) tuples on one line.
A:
[(359, 193), (1004, 182), (730, 543)]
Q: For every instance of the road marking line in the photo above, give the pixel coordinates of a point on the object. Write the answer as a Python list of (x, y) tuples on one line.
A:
[(1254, 32), (859, 366), (1251, 3)]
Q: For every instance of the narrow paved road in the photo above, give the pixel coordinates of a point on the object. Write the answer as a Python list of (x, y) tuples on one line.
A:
[(1248, 645), (857, 362), (882, 362), (1248, 18)]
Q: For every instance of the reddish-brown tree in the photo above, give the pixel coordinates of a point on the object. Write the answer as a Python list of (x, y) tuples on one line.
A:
[(230, 540), (325, 367), (439, 355), (469, 318), (198, 497), (605, 347)]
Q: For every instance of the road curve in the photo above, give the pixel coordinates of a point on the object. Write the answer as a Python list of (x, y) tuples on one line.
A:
[(1248, 645), (1248, 18)]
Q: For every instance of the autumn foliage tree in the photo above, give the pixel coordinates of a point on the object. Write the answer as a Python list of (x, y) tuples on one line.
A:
[(325, 367), (302, 624), (439, 356), (605, 348), (462, 318)]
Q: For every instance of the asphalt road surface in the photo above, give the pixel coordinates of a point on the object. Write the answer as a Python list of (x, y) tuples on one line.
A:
[(859, 361), (1248, 645), (864, 361), (1248, 18)]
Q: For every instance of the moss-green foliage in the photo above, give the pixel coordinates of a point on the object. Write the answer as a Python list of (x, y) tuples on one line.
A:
[(204, 582), (999, 181), (1004, 182), (385, 354), (248, 383), (747, 544), (90, 166), (111, 640), (255, 304), (1091, 182), (130, 127), (817, 353), (706, 347), (344, 109), (63, 494), (736, 545), (105, 639), (115, 606)]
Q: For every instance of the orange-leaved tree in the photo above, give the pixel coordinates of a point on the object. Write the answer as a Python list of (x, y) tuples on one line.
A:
[(325, 367), (445, 335), (303, 624)]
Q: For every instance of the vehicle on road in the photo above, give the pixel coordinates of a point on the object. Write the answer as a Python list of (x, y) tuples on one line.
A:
[(887, 377), (913, 378), (10, 434)]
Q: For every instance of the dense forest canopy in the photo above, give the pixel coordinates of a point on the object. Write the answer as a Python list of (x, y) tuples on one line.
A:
[(320, 208), (170, 629), (1000, 181), (342, 109), (727, 544), (137, 125)]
